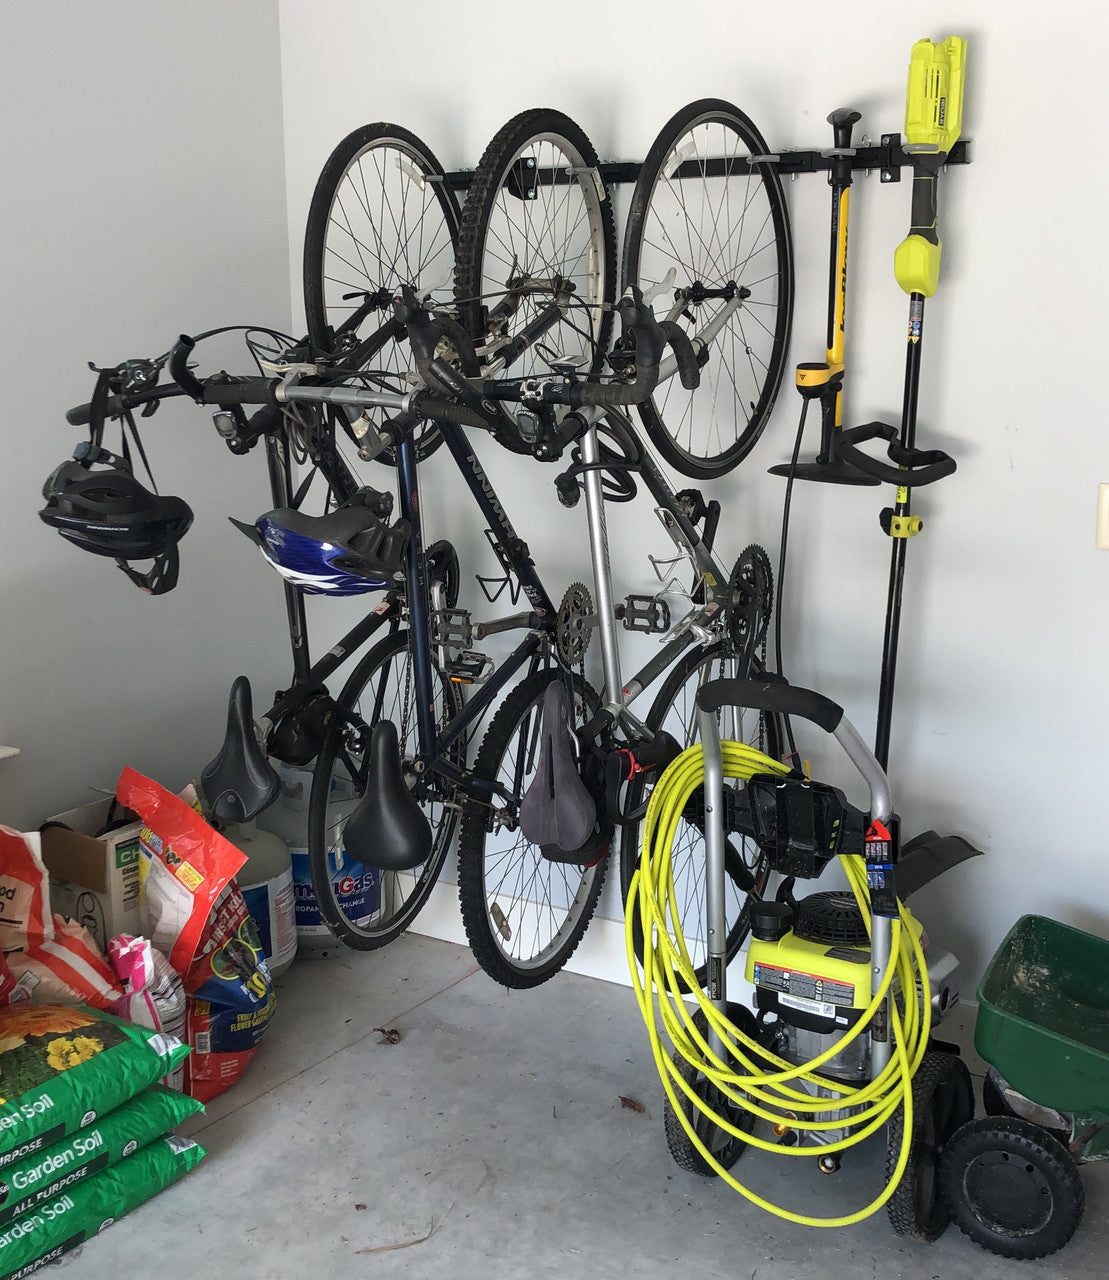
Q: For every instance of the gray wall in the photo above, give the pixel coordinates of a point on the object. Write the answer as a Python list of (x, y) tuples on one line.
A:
[(144, 197)]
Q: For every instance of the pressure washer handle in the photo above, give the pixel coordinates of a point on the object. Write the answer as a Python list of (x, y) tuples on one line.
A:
[(780, 698), (774, 696), (907, 466)]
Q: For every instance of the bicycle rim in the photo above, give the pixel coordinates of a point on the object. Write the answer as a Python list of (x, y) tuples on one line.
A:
[(363, 906), (381, 216), (537, 228), (724, 233)]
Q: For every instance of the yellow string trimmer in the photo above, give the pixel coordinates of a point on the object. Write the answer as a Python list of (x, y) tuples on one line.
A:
[(933, 121)]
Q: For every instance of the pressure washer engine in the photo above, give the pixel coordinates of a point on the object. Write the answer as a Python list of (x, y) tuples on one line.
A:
[(809, 963)]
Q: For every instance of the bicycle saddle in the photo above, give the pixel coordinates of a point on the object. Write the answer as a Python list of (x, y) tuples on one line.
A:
[(388, 830), (557, 812), (240, 782)]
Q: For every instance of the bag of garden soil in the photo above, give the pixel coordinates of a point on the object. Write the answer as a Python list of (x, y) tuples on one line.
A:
[(45, 1175), (56, 1226), (63, 1067)]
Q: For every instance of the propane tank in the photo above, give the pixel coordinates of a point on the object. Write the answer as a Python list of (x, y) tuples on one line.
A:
[(357, 888), (266, 883)]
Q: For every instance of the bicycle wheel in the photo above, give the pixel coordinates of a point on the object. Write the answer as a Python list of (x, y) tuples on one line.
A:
[(538, 230), (364, 907), (747, 869), (524, 915), (724, 233), (381, 217)]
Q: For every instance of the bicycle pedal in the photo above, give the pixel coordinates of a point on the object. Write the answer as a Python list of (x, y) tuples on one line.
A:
[(470, 667), (645, 613)]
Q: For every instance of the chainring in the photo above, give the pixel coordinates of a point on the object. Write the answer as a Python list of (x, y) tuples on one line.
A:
[(752, 590), (574, 627)]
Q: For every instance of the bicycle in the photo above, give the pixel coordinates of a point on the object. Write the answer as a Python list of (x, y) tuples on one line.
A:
[(411, 678)]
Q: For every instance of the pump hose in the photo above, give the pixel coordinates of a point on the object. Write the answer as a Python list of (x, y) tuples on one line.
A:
[(749, 1075)]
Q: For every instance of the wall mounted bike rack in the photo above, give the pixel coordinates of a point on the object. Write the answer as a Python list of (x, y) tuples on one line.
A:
[(888, 157)]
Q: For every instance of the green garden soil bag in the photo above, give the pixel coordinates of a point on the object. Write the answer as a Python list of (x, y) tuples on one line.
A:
[(59, 1225), (62, 1067), (45, 1175)]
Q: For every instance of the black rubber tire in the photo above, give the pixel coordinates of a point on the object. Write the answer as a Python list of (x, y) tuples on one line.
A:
[(1012, 1187), (943, 1101), (504, 236), (502, 888), (716, 230), (375, 223), (380, 687), (748, 868), (725, 1147)]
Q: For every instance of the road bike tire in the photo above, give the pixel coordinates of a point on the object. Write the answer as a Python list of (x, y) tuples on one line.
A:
[(380, 687), (523, 914), (717, 228), (514, 251), (747, 867), (381, 216)]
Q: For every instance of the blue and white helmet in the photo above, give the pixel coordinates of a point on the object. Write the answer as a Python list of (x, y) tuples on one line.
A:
[(345, 553)]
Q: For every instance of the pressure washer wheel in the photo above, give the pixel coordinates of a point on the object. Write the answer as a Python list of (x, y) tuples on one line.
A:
[(724, 1147), (943, 1101), (1012, 1187)]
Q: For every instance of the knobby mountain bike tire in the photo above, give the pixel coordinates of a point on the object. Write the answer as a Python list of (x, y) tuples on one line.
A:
[(747, 868), (381, 216), (523, 914), (364, 907), (722, 228), (537, 227)]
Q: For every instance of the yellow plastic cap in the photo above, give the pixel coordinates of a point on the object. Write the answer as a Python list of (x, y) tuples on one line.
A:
[(916, 264)]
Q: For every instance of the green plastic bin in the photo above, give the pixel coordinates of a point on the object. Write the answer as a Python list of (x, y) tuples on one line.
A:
[(1043, 1015)]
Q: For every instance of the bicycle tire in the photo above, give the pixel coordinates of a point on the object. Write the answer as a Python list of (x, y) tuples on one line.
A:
[(513, 251), (716, 231), (383, 673), (523, 914), (747, 868), (381, 216)]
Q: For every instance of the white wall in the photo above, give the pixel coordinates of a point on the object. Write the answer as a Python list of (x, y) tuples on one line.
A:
[(1001, 677), (143, 155), (144, 197)]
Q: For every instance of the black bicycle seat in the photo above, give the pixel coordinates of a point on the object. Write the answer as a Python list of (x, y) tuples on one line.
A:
[(240, 782)]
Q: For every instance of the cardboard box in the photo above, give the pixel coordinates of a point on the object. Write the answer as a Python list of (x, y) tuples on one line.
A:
[(95, 880)]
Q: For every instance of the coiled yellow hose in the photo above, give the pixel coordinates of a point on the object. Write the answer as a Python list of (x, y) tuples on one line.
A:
[(742, 1075)]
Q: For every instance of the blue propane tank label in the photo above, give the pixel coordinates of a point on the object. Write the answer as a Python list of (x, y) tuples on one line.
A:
[(357, 889)]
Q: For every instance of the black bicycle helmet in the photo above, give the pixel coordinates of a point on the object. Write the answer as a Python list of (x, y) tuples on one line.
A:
[(349, 551), (107, 511)]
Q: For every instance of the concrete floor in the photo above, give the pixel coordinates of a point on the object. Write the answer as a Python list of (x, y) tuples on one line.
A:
[(492, 1140)]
